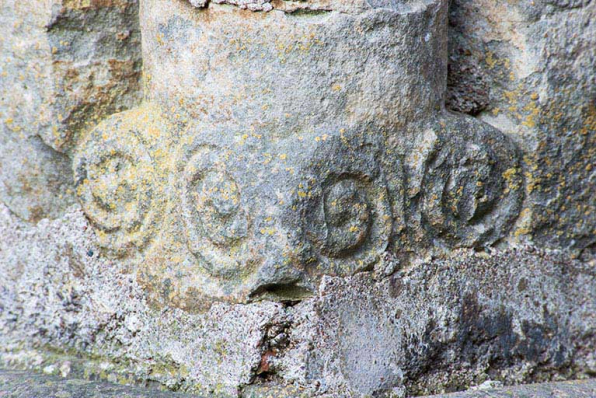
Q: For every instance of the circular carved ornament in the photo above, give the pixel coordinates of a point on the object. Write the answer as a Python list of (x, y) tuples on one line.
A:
[(214, 216), (348, 218), (115, 183), (472, 189)]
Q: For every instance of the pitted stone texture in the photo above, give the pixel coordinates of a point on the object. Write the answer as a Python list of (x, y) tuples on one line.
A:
[(276, 76), (516, 316), (35, 180), (570, 389), (288, 157), (446, 325), (73, 298), (537, 60)]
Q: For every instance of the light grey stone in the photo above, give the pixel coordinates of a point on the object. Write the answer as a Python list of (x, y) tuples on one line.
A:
[(291, 210), (19, 384), (64, 66), (579, 389), (537, 59)]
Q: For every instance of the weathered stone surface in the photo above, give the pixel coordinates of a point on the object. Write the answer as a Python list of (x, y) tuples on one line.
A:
[(328, 145), (35, 179), (572, 389), (537, 59), (451, 324), (514, 316), (64, 65), (91, 304), (118, 181), (18, 384), (291, 210)]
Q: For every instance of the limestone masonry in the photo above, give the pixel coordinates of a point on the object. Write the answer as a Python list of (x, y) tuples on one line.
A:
[(251, 198)]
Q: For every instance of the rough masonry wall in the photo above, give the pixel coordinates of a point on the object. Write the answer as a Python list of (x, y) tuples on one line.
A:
[(65, 66), (528, 68)]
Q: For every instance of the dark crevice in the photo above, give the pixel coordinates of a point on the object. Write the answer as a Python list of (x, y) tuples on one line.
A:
[(289, 294)]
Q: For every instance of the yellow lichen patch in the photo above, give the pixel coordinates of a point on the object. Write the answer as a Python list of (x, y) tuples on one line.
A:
[(94, 4), (534, 111), (268, 231), (490, 60), (511, 96)]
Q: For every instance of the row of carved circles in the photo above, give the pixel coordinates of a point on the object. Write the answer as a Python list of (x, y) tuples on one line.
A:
[(471, 193)]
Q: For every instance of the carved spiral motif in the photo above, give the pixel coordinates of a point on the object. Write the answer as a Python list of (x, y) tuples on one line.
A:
[(472, 189), (348, 217), (114, 179), (216, 222)]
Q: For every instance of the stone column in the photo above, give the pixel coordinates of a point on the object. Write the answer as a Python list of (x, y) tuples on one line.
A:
[(284, 141)]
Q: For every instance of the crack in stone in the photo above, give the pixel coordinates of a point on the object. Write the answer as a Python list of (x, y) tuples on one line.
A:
[(315, 6)]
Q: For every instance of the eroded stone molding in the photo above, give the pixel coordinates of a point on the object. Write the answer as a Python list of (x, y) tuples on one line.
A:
[(261, 200), (117, 182), (472, 189), (214, 212)]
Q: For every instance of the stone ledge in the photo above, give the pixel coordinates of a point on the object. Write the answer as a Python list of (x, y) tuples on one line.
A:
[(567, 389), (23, 384)]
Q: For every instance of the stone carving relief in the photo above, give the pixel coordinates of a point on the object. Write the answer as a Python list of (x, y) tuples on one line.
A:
[(117, 184), (348, 215), (258, 204), (213, 211), (472, 185)]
